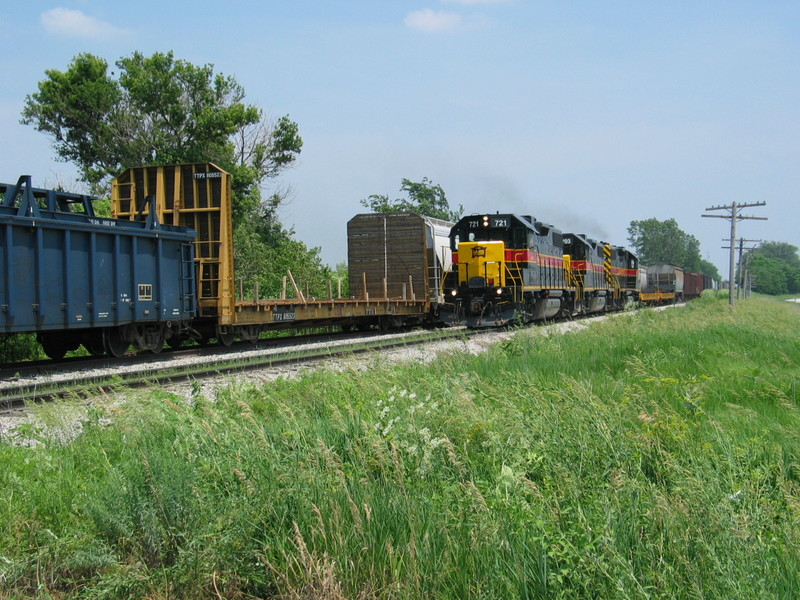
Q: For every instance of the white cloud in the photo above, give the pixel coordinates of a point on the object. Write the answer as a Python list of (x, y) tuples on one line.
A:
[(433, 21), (73, 23)]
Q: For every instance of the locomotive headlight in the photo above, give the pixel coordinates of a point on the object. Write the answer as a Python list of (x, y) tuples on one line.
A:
[(486, 221), (453, 292), (499, 291)]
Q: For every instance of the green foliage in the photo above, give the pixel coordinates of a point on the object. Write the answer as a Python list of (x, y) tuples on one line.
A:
[(160, 110), (16, 347), (769, 275), (264, 251), (424, 198), (78, 108), (781, 251), (775, 268), (663, 242), (708, 268), (654, 455)]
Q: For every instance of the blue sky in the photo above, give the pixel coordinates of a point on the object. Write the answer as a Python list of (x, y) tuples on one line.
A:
[(586, 114)]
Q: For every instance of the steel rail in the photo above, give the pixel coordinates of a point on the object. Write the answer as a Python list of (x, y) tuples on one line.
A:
[(154, 372)]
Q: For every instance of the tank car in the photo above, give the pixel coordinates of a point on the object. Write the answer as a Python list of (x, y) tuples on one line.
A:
[(74, 278)]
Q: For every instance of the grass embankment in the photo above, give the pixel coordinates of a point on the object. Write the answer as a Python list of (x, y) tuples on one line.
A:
[(654, 455)]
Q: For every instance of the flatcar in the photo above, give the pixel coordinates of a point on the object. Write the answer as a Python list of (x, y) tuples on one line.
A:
[(388, 254), (398, 256), (73, 278)]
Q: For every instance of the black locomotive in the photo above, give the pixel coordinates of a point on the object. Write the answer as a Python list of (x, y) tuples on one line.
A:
[(512, 268)]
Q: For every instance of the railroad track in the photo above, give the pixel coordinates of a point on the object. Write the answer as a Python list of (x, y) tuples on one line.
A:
[(23, 385), (38, 383)]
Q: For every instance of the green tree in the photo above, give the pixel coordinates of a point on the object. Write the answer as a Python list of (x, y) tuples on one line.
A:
[(424, 198), (775, 268), (781, 251), (160, 110), (769, 275), (265, 251), (708, 268), (664, 242)]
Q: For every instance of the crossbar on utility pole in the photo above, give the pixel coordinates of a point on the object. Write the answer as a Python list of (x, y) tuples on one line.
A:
[(734, 216)]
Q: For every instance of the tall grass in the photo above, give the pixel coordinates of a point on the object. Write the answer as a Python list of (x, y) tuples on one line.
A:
[(654, 455)]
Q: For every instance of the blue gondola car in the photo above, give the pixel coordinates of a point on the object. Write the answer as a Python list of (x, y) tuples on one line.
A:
[(74, 278)]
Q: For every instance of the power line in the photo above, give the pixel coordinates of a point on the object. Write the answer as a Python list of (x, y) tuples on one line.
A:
[(733, 216)]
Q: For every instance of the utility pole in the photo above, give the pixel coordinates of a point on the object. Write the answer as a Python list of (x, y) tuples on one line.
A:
[(740, 292), (734, 216)]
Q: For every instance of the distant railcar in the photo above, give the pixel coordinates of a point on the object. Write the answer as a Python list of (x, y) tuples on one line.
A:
[(693, 285), (664, 284)]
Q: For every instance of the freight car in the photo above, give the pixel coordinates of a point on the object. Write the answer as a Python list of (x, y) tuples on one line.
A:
[(395, 260), (664, 284), (73, 278), (398, 255), (510, 268)]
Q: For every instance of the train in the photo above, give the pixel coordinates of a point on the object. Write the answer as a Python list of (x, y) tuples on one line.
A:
[(516, 269), (161, 270)]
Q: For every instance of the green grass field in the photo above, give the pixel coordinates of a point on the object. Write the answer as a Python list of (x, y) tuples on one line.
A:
[(652, 455)]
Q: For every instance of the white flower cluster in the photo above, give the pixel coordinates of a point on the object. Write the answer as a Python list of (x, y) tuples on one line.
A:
[(396, 420)]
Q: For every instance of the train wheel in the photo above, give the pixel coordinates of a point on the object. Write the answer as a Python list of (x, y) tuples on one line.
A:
[(227, 338), (250, 333), (158, 344), (113, 342), (54, 345)]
